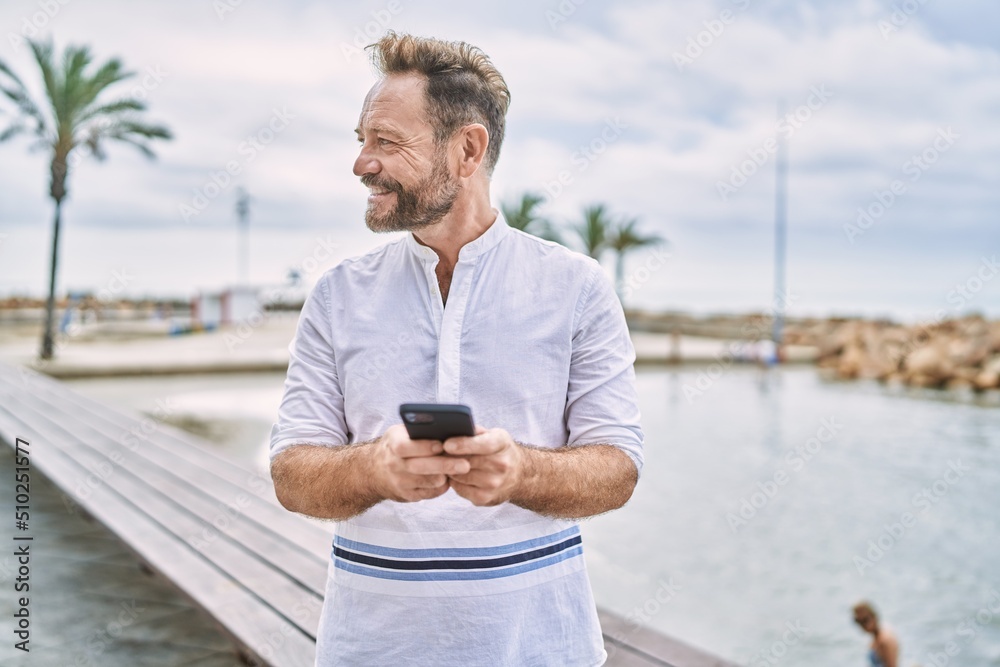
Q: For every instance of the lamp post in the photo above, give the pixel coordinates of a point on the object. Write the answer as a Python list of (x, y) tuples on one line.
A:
[(780, 231), (243, 224)]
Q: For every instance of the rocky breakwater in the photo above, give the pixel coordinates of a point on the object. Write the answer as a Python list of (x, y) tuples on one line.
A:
[(954, 354)]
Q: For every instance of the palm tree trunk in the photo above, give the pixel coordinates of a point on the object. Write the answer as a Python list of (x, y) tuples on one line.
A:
[(50, 306)]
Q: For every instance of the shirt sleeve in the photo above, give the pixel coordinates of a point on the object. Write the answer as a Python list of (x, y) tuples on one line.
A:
[(602, 406), (312, 407)]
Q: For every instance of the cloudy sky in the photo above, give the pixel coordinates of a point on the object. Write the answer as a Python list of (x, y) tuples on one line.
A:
[(665, 111)]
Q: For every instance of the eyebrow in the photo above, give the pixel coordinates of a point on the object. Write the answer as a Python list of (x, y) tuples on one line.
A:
[(378, 129)]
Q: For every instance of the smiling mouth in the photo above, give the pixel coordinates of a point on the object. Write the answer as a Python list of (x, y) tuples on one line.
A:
[(376, 197)]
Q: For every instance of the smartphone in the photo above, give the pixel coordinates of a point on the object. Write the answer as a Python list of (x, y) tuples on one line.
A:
[(436, 421)]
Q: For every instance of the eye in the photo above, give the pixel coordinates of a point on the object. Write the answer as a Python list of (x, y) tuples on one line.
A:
[(385, 142)]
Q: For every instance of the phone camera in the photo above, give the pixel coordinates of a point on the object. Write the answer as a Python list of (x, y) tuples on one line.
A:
[(418, 417)]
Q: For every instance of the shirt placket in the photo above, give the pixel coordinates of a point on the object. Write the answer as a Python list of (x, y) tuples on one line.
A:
[(450, 333)]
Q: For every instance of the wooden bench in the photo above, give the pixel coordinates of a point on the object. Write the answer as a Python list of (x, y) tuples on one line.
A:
[(213, 527)]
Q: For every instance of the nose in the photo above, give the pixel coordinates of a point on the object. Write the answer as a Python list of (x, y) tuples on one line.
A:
[(366, 163)]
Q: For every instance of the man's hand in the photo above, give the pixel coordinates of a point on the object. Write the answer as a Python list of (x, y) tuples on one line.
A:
[(496, 465), (409, 470)]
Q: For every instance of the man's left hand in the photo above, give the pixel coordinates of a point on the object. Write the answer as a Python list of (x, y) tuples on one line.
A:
[(496, 465)]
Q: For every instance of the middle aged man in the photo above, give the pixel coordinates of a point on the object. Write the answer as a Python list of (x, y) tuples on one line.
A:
[(465, 552)]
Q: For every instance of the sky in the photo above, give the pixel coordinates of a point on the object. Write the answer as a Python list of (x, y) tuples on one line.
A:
[(664, 111)]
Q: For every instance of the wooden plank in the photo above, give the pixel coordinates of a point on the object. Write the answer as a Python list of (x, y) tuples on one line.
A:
[(252, 625), (270, 584), (187, 455), (41, 386), (658, 648), (623, 656), (232, 511)]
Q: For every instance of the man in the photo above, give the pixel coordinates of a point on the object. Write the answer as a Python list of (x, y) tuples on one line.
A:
[(884, 649), (464, 552)]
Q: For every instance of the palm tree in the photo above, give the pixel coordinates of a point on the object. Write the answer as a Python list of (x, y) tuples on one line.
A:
[(73, 121), (623, 238), (593, 230), (521, 215)]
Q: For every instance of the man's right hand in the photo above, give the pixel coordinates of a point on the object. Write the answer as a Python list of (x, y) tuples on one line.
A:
[(407, 470)]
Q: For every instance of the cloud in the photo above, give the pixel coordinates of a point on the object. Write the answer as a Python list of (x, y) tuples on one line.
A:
[(687, 127)]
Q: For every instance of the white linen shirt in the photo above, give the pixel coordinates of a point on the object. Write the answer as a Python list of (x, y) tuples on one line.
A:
[(534, 340)]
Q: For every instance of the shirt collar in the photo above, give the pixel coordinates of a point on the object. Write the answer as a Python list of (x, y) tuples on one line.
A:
[(471, 250)]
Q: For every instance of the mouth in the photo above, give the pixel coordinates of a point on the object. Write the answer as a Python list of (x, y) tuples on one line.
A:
[(378, 194)]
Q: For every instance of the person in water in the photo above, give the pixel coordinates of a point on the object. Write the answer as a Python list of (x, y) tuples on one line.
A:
[(884, 651)]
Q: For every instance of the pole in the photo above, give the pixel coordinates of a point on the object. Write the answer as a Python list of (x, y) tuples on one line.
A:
[(780, 231), (243, 218)]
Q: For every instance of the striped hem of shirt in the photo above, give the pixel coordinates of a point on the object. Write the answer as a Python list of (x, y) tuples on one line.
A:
[(456, 564)]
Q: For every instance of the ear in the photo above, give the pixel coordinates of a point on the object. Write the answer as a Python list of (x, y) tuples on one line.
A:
[(471, 144)]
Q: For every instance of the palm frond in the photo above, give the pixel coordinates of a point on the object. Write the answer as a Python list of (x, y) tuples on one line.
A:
[(91, 88), (43, 57), (143, 148), (112, 108), (18, 94), (12, 131)]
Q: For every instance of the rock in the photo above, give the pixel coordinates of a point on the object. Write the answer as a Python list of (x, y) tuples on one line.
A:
[(852, 361), (967, 351), (987, 380), (992, 365), (930, 361)]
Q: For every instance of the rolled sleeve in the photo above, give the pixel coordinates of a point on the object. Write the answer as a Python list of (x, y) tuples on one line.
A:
[(602, 406), (312, 407)]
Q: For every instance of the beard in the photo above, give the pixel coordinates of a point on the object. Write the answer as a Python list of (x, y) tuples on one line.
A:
[(416, 207)]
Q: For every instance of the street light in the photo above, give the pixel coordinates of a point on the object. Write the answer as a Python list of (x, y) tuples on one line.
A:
[(243, 224)]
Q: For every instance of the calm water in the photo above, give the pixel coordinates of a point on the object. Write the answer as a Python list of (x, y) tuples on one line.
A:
[(850, 460)]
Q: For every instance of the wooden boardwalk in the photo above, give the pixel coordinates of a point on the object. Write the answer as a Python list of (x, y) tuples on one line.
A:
[(213, 527)]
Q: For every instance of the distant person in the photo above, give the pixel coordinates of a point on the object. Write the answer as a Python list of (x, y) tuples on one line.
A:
[(467, 552), (884, 651)]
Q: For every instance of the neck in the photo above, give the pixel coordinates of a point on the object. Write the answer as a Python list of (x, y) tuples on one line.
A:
[(470, 216)]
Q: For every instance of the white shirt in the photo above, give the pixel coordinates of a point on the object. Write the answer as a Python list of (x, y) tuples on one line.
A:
[(534, 340)]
